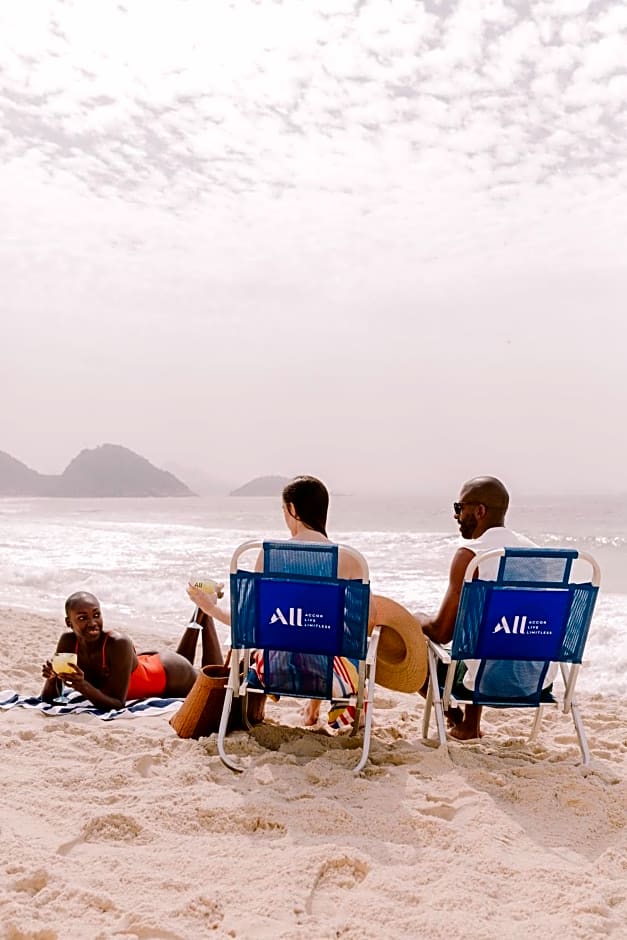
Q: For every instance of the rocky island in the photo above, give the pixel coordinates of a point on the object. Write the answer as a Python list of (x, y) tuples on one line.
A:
[(108, 470), (262, 486)]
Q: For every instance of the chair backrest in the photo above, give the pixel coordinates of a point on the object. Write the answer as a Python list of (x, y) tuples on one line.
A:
[(299, 613), (530, 616)]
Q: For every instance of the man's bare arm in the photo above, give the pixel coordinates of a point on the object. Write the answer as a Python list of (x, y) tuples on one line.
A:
[(440, 627)]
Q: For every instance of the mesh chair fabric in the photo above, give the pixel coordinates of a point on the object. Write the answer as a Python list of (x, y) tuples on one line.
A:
[(578, 624), (289, 558), (243, 609), (525, 677), (300, 674), (543, 567)]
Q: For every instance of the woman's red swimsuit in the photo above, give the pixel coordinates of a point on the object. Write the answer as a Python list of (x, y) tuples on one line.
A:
[(148, 679)]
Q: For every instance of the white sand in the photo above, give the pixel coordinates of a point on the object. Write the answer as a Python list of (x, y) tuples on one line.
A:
[(122, 829)]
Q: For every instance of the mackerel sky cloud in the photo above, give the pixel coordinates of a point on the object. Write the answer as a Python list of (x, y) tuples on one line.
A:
[(383, 229)]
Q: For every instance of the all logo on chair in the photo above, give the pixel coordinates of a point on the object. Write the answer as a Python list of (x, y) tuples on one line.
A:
[(522, 624), (315, 609), (293, 619), (528, 623)]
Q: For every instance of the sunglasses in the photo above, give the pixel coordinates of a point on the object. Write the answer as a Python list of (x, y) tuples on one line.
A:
[(457, 507)]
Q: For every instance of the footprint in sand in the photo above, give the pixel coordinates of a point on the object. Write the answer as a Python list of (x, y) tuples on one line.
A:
[(32, 883), (115, 827), (442, 811), (208, 910), (143, 765), (447, 809), (335, 876), (138, 928), (246, 823)]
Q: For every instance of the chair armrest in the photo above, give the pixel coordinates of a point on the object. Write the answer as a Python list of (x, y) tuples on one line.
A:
[(443, 654)]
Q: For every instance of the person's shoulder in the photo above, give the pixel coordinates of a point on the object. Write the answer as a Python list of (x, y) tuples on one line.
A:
[(348, 565), (462, 557), (67, 641), (465, 548), (118, 639), (497, 537), (469, 545)]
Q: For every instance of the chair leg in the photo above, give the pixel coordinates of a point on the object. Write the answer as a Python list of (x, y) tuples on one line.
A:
[(365, 747), (356, 720), (437, 700), (581, 733), (426, 718), (224, 721), (244, 708), (366, 743), (537, 722), (569, 675)]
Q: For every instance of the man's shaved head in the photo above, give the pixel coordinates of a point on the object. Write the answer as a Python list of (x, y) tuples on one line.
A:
[(488, 491)]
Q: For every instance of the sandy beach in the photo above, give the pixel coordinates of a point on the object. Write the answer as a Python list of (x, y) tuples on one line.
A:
[(121, 829)]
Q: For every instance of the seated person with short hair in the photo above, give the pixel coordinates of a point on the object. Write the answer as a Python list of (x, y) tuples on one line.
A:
[(480, 513)]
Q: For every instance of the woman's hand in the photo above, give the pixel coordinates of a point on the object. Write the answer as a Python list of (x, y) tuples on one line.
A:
[(208, 603), (47, 671), (74, 679)]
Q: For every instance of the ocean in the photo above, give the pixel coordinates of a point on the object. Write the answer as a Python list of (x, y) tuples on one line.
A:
[(137, 555)]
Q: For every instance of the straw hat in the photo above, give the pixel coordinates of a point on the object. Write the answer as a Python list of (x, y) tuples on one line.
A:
[(402, 650)]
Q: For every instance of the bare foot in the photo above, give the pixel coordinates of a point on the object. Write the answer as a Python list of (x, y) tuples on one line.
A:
[(466, 732), (454, 716), (311, 712)]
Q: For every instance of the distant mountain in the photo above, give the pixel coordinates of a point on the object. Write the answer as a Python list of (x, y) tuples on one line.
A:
[(262, 486), (16, 479), (108, 470)]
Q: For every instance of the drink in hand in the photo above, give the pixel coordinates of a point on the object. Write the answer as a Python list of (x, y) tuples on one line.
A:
[(62, 663), (210, 587)]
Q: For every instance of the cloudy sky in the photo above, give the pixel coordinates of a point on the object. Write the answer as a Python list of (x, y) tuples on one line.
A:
[(381, 241)]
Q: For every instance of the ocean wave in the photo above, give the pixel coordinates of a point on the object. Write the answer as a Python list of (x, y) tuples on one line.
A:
[(584, 542), (139, 567)]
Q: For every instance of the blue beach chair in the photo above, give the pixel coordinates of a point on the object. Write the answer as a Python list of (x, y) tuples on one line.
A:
[(301, 615), (532, 615)]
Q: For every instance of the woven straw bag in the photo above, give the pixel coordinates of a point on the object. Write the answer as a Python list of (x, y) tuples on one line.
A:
[(200, 713)]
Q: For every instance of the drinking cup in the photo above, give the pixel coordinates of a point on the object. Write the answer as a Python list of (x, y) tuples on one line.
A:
[(62, 663), (209, 586)]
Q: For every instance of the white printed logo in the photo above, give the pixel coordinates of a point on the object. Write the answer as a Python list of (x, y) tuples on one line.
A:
[(524, 626), (518, 625), (294, 619)]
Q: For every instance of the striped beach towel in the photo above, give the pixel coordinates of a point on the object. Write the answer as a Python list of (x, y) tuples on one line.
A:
[(79, 705)]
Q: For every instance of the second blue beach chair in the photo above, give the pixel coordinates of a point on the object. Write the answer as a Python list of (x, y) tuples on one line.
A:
[(510, 631), (302, 617)]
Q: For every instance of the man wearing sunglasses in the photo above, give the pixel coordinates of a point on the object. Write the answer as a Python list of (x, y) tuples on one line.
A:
[(480, 513)]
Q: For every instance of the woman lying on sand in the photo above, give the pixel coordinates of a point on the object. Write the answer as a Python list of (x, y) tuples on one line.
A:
[(109, 671), (305, 505)]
